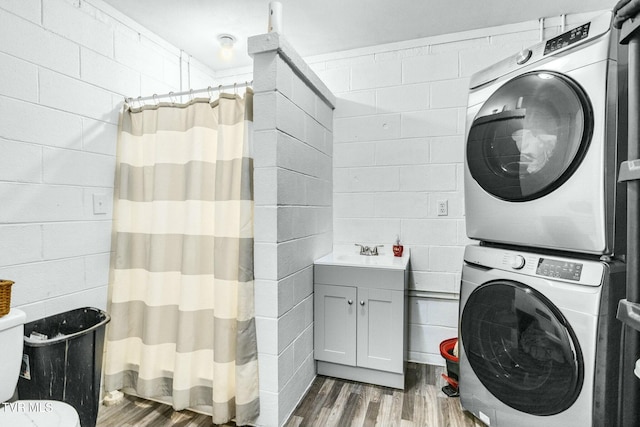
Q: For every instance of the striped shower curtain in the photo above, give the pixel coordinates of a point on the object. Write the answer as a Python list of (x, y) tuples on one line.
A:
[(181, 287)]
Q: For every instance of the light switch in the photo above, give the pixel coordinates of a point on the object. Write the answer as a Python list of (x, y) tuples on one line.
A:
[(99, 204)]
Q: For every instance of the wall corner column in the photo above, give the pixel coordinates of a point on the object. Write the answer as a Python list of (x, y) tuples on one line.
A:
[(293, 151)]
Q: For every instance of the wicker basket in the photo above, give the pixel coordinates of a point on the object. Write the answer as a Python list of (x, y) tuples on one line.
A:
[(5, 296)]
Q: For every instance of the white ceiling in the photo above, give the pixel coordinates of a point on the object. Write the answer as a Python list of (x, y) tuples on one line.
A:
[(322, 26)]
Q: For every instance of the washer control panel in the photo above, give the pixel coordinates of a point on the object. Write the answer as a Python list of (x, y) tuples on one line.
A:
[(543, 266), (559, 269)]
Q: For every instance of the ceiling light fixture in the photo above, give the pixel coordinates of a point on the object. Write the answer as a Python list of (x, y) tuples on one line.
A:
[(226, 46)]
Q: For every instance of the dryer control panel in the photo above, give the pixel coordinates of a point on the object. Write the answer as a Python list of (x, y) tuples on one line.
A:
[(567, 39), (597, 27)]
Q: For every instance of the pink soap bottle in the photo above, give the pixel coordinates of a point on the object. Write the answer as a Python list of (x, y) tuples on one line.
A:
[(397, 248)]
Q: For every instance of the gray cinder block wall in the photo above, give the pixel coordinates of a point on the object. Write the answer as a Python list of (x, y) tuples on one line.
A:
[(66, 67), (293, 145)]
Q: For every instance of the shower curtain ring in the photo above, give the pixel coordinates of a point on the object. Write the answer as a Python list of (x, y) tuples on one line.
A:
[(209, 92), (219, 90), (172, 98), (139, 100), (235, 88), (190, 94), (156, 100)]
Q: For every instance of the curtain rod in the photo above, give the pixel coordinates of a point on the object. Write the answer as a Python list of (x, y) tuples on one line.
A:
[(190, 92)]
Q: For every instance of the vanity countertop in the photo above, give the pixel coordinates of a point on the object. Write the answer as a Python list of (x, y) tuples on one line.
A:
[(356, 260)]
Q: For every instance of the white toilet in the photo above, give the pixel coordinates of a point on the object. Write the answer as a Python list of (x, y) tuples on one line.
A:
[(40, 413)]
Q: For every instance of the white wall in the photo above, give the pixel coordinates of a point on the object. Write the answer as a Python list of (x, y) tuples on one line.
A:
[(399, 141), (66, 67), (293, 122)]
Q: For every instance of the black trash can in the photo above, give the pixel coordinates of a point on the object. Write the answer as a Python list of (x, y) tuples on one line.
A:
[(62, 360)]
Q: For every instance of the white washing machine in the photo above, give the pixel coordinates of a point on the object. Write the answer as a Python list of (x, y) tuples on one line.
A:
[(545, 136), (539, 341)]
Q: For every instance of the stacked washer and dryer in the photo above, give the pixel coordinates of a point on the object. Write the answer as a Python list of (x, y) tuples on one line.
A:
[(546, 130)]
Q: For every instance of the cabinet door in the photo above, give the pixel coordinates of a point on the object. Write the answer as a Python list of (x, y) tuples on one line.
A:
[(335, 324), (380, 329)]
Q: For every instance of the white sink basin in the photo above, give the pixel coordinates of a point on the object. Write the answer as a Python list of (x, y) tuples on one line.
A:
[(356, 260)]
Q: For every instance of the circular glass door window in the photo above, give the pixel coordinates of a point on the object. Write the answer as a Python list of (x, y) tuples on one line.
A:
[(529, 136), (522, 348)]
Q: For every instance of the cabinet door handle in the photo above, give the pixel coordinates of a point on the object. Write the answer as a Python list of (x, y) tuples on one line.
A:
[(361, 302), (349, 302)]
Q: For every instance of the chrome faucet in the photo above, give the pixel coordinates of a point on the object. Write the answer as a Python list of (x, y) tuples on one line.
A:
[(364, 250), (369, 251)]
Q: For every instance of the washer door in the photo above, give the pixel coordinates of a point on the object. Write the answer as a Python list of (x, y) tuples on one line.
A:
[(521, 348), (529, 136)]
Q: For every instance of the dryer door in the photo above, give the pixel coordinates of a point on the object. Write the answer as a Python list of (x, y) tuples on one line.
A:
[(521, 348), (529, 136)]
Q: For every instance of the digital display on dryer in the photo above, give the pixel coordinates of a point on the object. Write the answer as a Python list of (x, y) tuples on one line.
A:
[(567, 38), (559, 269)]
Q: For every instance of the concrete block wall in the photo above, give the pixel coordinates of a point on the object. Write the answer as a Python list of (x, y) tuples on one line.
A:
[(399, 141), (66, 67), (293, 124)]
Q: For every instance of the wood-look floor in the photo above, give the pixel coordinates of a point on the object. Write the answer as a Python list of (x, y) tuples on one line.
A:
[(329, 402), (137, 412), (341, 403)]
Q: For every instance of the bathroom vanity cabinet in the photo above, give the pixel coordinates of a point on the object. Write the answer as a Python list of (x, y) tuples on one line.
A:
[(360, 318)]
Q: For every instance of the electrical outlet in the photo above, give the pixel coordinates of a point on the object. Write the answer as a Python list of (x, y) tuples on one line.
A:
[(443, 207)]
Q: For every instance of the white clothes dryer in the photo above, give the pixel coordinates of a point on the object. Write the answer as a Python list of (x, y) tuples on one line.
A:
[(539, 339), (546, 131)]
